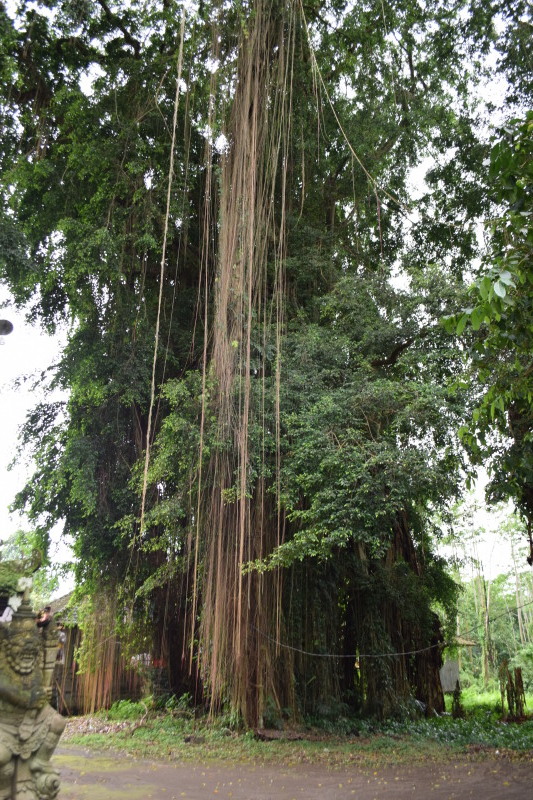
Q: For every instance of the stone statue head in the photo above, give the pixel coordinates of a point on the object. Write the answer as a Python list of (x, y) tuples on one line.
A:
[(22, 642)]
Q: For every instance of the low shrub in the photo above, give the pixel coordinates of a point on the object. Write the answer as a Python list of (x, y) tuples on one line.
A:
[(124, 710)]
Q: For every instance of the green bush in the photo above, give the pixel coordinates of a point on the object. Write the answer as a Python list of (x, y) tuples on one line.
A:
[(126, 710)]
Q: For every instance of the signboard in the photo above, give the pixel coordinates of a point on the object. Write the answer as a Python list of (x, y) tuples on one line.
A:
[(449, 675)]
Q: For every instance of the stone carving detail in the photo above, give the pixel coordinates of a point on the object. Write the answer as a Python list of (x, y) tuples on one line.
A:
[(29, 727)]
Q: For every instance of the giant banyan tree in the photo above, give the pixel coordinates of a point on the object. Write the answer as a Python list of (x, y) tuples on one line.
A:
[(256, 428)]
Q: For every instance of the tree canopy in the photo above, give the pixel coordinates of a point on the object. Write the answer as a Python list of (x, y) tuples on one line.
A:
[(263, 404), (500, 353)]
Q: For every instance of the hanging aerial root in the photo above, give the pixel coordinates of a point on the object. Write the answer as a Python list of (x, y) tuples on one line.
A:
[(239, 519)]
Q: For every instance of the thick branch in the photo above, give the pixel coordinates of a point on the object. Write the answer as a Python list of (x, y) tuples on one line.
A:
[(128, 38), (392, 358)]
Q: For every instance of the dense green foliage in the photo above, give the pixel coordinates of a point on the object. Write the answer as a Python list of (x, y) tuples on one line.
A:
[(344, 370), (21, 555), (500, 352)]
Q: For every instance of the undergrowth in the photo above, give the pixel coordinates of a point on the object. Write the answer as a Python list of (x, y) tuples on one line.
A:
[(175, 731)]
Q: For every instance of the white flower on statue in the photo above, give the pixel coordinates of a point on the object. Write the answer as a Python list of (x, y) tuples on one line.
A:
[(15, 601), (23, 584)]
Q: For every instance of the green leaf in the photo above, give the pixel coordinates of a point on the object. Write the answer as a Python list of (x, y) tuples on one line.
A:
[(461, 325), (499, 289), (506, 277), (478, 315), (484, 287), (449, 323)]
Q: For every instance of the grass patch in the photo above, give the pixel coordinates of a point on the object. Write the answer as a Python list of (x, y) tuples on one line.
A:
[(475, 702), (177, 735), (163, 740)]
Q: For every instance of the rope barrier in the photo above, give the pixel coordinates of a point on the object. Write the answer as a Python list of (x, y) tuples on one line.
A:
[(355, 656)]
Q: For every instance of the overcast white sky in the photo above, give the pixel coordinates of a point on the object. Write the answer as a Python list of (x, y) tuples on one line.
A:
[(23, 355)]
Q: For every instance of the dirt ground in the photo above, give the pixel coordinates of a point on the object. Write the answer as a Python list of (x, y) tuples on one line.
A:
[(102, 776)]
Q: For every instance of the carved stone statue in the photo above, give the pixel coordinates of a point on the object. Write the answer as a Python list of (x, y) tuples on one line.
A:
[(29, 727)]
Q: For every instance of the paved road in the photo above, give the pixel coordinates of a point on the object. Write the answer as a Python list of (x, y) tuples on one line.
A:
[(86, 775)]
